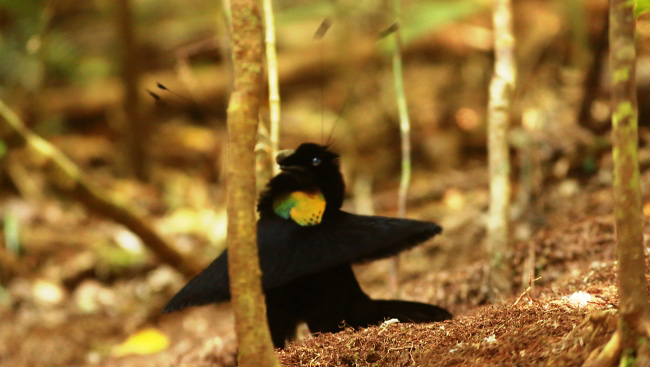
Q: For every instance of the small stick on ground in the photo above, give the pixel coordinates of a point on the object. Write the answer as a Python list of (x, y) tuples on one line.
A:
[(529, 266), (526, 292)]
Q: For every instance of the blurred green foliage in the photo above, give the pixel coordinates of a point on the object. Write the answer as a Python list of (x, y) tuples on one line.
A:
[(45, 42), (19, 46), (3, 149), (419, 18), (11, 229), (640, 6), (5, 297), (290, 14), (428, 16), (29, 49), (115, 257)]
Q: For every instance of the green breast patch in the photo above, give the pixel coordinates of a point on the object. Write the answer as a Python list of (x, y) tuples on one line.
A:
[(304, 208)]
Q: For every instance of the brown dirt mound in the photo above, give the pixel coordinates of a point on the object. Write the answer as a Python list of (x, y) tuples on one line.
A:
[(520, 335)]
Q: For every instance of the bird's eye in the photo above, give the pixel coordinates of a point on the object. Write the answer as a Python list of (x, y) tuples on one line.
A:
[(315, 162)]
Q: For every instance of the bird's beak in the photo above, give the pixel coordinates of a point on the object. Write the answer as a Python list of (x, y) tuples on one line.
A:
[(283, 154)]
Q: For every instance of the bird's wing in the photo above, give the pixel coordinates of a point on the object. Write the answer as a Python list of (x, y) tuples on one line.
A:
[(288, 251), (210, 286)]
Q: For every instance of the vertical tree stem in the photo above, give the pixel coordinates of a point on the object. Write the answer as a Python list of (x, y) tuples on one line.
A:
[(499, 111), (404, 127), (136, 130), (627, 195), (272, 71), (404, 120), (631, 338), (253, 336)]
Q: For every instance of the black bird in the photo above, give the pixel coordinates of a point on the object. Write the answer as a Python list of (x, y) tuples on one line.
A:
[(307, 245)]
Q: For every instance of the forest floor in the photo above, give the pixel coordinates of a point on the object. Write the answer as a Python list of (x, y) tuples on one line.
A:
[(567, 313), (558, 318)]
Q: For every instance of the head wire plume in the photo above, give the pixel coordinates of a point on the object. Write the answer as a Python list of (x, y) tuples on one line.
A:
[(325, 25), (318, 35), (178, 98), (196, 110), (178, 95)]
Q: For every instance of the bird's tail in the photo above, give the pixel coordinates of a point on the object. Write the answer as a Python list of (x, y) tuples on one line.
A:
[(406, 311)]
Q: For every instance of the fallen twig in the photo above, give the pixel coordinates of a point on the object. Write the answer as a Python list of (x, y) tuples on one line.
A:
[(527, 291)]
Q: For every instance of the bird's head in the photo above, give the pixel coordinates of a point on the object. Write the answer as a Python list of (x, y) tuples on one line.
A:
[(309, 159), (315, 165)]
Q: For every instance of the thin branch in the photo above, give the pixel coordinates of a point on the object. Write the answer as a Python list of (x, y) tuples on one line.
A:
[(404, 126), (404, 120), (272, 71)]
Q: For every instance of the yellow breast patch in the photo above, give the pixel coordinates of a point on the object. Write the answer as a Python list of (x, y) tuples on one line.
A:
[(304, 208), (309, 208)]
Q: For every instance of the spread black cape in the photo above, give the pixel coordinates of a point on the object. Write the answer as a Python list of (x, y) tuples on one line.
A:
[(288, 251)]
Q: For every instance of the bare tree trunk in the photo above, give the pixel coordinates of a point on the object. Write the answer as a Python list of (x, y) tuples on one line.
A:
[(499, 112), (264, 158), (630, 341), (627, 194), (136, 130), (253, 336)]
